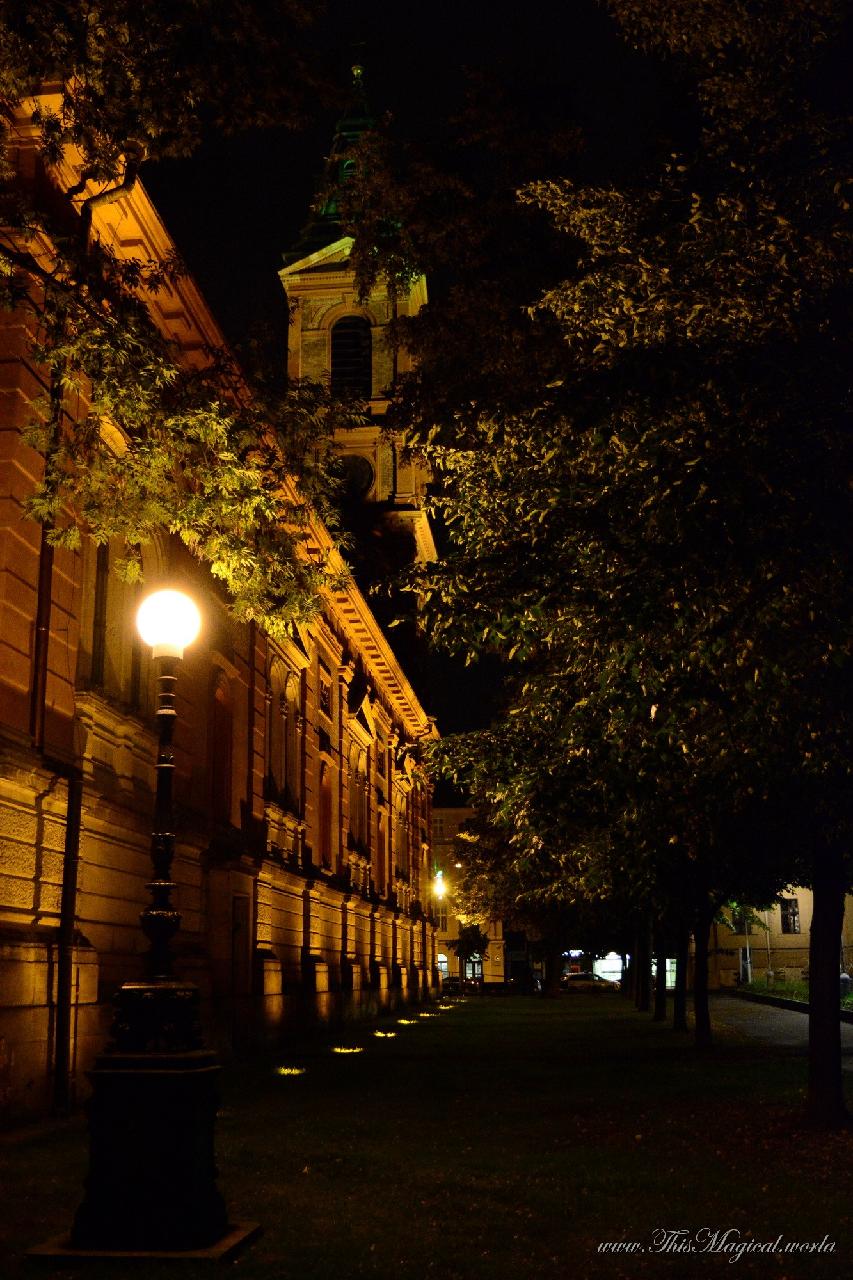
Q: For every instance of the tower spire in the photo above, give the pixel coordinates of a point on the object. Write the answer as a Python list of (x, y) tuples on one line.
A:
[(324, 226)]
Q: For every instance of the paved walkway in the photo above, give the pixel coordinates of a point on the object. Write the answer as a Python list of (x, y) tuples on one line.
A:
[(787, 1028), (500, 1139)]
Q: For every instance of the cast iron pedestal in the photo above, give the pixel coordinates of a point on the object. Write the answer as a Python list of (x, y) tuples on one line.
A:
[(151, 1188), (152, 1170)]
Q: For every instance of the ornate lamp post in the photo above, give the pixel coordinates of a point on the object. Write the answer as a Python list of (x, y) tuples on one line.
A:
[(151, 1186)]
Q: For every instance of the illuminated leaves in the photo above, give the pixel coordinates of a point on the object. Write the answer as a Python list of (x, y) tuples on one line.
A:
[(656, 541)]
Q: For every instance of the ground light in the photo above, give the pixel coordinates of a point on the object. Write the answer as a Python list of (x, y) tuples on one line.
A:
[(151, 1187)]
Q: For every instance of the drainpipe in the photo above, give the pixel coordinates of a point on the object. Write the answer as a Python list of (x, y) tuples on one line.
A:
[(250, 754), (38, 686), (73, 814), (62, 1099)]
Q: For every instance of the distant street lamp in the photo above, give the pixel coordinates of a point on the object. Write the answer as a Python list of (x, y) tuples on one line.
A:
[(152, 1175), (439, 888)]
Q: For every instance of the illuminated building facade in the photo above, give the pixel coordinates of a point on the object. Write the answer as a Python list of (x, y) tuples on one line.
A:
[(304, 810)]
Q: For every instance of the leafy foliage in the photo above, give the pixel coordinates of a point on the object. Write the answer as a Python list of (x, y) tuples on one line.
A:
[(471, 941), (652, 532), (154, 75), (138, 440)]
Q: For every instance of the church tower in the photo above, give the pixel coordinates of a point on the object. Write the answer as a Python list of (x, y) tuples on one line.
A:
[(339, 339)]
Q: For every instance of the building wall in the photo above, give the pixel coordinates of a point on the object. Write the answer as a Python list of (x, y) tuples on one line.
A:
[(302, 808), (777, 943)]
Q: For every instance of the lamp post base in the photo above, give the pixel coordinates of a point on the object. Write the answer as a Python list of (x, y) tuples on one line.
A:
[(151, 1185), (60, 1249)]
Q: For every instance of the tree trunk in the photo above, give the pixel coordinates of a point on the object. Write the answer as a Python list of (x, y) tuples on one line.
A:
[(660, 977), (701, 1010), (826, 1106), (629, 984), (643, 989), (553, 968), (679, 1003)]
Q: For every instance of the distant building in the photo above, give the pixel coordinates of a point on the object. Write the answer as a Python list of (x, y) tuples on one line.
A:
[(775, 943), (490, 968), (303, 840)]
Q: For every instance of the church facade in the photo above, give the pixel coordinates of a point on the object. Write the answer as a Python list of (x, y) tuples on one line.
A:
[(338, 336), (303, 845)]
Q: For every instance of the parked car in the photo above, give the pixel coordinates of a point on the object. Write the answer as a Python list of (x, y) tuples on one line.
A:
[(586, 982), (450, 987)]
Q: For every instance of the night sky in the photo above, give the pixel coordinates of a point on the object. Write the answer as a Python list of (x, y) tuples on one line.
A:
[(238, 203), (235, 206)]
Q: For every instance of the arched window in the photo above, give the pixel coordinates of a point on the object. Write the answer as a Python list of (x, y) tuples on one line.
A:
[(292, 758), (379, 866), (284, 765), (352, 364), (354, 797), (401, 842), (221, 736), (325, 815), (276, 776), (358, 797)]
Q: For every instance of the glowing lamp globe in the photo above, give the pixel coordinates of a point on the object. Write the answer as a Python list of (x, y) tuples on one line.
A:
[(168, 621), (439, 888)]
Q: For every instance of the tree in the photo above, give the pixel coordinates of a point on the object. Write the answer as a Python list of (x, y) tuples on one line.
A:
[(471, 941), (655, 537), (134, 82), (204, 455)]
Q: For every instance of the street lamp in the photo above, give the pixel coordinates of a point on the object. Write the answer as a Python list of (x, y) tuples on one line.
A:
[(151, 1186), (169, 622)]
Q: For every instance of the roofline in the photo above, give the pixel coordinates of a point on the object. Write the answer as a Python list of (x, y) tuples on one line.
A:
[(132, 227)]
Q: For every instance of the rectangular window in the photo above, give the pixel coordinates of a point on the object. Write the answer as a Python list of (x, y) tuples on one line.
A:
[(790, 909), (741, 926), (441, 918)]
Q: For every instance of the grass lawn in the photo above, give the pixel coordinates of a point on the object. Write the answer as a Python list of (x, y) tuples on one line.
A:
[(503, 1138), (790, 991)]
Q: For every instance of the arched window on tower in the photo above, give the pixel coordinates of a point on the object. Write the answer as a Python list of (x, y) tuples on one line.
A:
[(351, 363)]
